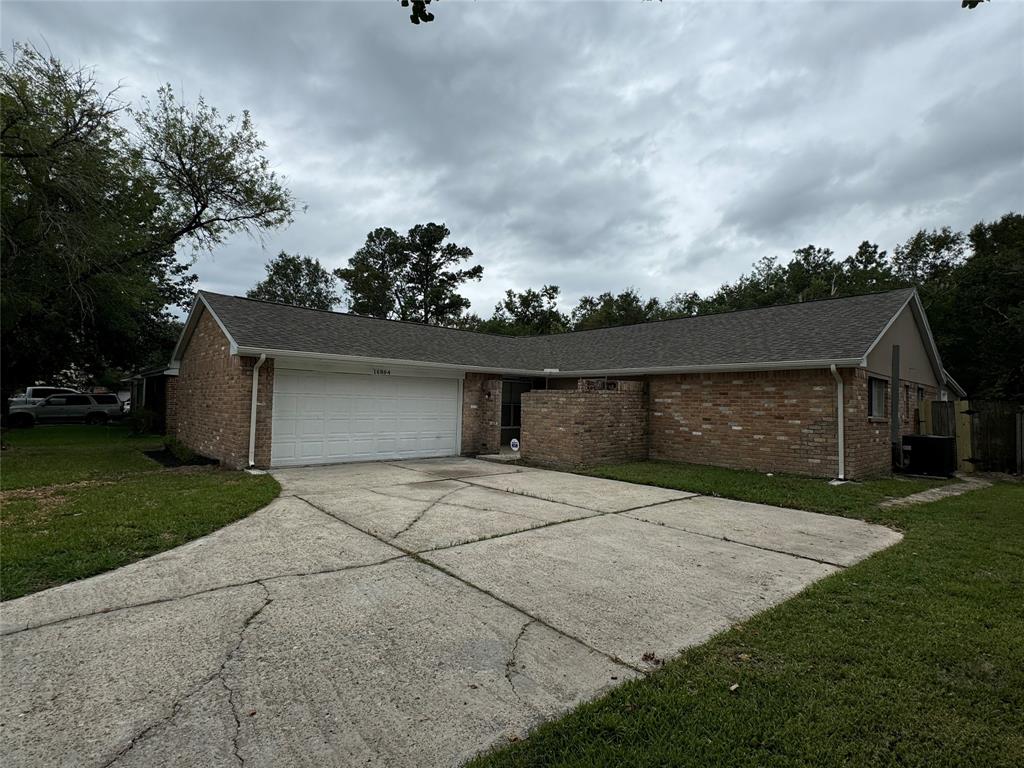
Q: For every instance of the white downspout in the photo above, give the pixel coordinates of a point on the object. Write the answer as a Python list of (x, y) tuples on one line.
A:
[(252, 411), (840, 421)]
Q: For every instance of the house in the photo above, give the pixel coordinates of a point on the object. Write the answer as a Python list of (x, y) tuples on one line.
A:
[(152, 391), (270, 385)]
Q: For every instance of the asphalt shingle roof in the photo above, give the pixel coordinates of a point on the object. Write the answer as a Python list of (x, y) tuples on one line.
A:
[(832, 329)]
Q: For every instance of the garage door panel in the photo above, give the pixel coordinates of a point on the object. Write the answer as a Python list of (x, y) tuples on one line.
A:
[(310, 449), (363, 425), (310, 428), (283, 452), (333, 417)]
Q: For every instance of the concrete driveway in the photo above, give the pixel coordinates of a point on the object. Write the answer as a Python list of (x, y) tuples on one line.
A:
[(400, 614)]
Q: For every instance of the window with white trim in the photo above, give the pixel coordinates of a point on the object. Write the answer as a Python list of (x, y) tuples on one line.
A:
[(876, 397)]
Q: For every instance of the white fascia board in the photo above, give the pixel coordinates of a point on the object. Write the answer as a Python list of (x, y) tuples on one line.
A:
[(326, 357), (186, 332), (953, 384), (930, 345), (726, 368), (914, 301), (223, 328), (784, 365), (888, 325), (190, 326)]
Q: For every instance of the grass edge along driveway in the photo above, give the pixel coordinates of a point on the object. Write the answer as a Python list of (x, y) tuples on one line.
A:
[(82, 500), (911, 657)]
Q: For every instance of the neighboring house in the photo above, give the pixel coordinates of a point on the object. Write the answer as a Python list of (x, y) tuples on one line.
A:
[(153, 390), (755, 389)]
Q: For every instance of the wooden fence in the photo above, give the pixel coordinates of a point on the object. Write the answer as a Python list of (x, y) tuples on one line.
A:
[(989, 433)]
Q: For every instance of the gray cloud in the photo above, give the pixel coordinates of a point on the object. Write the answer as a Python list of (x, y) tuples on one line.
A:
[(595, 146)]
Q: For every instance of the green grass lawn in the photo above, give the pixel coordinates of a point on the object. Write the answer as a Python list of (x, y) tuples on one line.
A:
[(914, 657), (51, 533), (858, 500), (50, 455)]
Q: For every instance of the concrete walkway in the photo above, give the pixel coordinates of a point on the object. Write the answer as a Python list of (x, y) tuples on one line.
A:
[(967, 483), (402, 614)]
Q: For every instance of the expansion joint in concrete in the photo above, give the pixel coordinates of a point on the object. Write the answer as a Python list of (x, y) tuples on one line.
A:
[(534, 619), (416, 557), (200, 593), (735, 541), (514, 492), (426, 509)]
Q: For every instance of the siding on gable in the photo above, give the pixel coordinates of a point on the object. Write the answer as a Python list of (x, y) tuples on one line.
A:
[(915, 365)]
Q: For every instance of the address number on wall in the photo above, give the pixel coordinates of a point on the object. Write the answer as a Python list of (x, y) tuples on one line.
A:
[(381, 371)]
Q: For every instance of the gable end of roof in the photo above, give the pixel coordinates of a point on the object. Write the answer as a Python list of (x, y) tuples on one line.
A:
[(199, 304)]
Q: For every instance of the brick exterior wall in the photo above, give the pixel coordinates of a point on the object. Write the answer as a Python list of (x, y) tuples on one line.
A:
[(868, 448), (171, 406), (771, 421), (481, 414), (577, 427), (213, 397)]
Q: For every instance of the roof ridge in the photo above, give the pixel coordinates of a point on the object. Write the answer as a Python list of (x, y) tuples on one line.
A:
[(564, 333), (360, 317), (731, 311)]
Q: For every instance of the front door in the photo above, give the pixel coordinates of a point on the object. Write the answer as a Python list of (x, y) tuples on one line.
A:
[(512, 409)]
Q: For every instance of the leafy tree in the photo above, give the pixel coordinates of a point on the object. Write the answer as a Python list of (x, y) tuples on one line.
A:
[(94, 214), (764, 286), (412, 277), (298, 280), (812, 274), (929, 256), (972, 287), (867, 270), (432, 279), (683, 305), (931, 262), (419, 11), (981, 336), (375, 277), (608, 309), (528, 313)]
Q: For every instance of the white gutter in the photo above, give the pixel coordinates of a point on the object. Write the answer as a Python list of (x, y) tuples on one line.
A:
[(851, 362), (840, 421), (252, 412)]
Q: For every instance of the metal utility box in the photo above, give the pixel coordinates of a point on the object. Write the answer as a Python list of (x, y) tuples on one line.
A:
[(929, 455)]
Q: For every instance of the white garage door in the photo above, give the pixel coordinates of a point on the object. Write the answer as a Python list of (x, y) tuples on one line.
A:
[(324, 418)]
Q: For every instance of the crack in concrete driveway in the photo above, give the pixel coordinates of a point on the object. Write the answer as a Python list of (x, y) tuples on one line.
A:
[(307, 635)]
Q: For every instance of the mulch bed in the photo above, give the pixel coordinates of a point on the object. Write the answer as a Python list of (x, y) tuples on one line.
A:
[(168, 459)]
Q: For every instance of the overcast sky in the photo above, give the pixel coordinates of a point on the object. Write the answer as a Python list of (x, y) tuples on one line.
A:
[(592, 145)]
